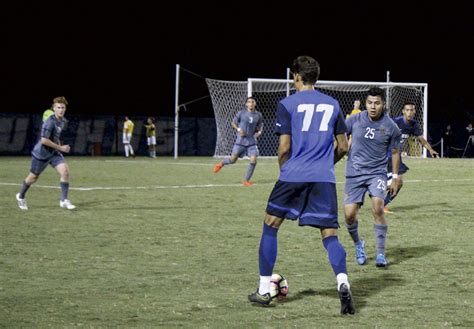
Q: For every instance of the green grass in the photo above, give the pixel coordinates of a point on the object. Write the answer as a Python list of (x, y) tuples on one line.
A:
[(166, 243)]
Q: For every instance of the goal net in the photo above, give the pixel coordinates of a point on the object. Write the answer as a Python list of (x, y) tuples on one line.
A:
[(228, 97)]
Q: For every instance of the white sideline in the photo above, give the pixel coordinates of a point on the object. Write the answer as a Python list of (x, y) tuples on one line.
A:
[(96, 188)]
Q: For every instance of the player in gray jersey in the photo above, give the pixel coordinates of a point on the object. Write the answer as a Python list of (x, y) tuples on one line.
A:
[(49, 150), (248, 124), (373, 135)]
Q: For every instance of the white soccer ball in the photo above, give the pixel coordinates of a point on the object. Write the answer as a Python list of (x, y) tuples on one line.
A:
[(278, 286)]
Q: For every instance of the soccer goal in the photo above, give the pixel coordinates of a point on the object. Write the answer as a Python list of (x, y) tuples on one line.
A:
[(228, 97)]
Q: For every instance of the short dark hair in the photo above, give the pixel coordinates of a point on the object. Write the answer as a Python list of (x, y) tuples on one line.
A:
[(376, 91), (409, 103), (308, 68), (250, 97)]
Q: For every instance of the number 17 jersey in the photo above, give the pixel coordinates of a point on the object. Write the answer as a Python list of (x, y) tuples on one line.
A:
[(312, 119)]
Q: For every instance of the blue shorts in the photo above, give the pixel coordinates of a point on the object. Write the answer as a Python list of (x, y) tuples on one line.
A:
[(355, 188), (38, 166), (314, 204), (241, 150), (401, 170)]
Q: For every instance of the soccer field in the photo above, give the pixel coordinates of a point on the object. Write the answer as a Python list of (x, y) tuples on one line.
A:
[(168, 243)]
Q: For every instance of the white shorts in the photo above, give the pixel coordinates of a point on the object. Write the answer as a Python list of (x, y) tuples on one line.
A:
[(151, 140), (127, 138)]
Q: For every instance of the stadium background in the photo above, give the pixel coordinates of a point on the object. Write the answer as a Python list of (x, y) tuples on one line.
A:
[(120, 60)]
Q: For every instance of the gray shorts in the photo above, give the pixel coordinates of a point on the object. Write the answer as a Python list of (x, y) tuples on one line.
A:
[(38, 166), (240, 150), (355, 188)]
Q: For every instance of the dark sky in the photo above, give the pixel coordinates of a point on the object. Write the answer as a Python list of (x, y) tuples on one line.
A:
[(120, 59)]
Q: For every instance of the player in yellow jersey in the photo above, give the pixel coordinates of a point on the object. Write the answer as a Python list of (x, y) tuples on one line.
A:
[(128, 126), (356, 108), (151, 136)]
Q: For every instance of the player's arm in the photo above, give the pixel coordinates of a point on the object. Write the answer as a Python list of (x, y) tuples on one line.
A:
[(284, 148), (235, 125), (259, 129), (427, 145), (341, 145), (395, 186), (48, 142)]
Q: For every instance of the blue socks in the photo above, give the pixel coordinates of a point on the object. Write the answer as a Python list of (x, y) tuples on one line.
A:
[(267, 252), (250, 170), (336, 254), (64, 190)]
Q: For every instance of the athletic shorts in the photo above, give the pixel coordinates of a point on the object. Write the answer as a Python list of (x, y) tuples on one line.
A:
[(127, 138), (401, 170), (314, 204), (38, 166), (151, 140), (240, 151), (356, 187)]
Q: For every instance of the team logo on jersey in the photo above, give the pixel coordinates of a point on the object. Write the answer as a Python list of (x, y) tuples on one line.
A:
[(382, 130)]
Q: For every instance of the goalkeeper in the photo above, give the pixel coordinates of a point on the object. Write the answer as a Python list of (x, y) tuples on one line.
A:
[(248, 124)]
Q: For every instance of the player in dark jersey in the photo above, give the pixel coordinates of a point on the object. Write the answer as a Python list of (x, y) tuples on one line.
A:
[(249, 124), (307, 123), (49, 150), (373, 135), (409, 127)]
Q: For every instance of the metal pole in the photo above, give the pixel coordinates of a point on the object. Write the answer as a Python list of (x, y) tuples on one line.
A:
[(389, 110), (176, 113), (425, 117), (288, 84), (442, 147)]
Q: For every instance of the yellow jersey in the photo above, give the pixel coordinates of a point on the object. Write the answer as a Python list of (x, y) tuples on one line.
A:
[(354, 111), (150, 130), (128, 127)]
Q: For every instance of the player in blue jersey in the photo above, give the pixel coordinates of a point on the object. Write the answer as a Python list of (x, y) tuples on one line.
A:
[(409, 127), (49, 150), (307, 123), (374, 134), (248, 124)]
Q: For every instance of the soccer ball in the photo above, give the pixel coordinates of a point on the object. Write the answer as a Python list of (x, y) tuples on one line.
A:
[(278, 286)]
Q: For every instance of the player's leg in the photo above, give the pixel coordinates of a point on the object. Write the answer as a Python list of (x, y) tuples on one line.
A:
[(377, 190), (37, 167), (153, 146), (63, 170), (130, 147), (237, 150), (354, 193), (125, 144), (320, 210), (284, 202), (252, 153)]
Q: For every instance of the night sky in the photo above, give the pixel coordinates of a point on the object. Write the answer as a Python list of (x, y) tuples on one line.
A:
[(120, 59)]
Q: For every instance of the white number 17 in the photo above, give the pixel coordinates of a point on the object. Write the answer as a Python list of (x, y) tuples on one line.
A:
[(308, 110)]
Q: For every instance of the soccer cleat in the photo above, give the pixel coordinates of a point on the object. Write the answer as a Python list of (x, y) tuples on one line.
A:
[(66, 204), (218, 167), (264, 299), (361, 257), (248, 183), (347, 303), (386, 210), (381, 261), (21, 202)]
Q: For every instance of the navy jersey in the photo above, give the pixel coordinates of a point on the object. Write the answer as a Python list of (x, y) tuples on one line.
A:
[(408, 128), (250, 122), (312, 119), (51, 129), (371, 140)]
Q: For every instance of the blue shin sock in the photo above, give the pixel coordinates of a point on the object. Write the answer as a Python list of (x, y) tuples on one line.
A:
[(336, 254), (268, 250)]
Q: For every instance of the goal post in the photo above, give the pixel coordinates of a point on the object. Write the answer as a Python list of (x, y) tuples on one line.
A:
[(228, 97)]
